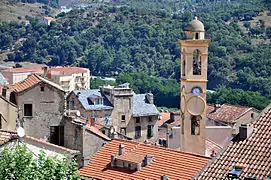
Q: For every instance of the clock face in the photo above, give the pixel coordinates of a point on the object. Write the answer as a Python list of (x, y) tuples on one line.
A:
[(196, 91)]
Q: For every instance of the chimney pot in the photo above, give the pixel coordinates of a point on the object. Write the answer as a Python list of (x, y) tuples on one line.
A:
[(149, 97), (121, 149), (92, 121), (148, 159), (164, 177)]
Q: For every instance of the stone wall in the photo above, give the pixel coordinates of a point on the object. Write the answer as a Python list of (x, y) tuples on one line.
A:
[(8, 113), (47, 110)]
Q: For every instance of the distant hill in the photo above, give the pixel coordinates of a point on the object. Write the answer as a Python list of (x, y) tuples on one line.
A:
[(13, 11)]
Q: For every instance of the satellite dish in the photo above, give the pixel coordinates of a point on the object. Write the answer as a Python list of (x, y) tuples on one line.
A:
[(20, 132), (78, 113)]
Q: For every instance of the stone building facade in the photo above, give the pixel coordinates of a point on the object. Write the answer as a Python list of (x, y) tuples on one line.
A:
[(133, 115), (8, 114), (41, 106)]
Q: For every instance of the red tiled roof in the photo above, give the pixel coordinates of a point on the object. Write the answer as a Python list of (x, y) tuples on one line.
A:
[(25, 84), (131, 157), (227, 112), (253, 153), (66, 70), (174, 164), (164, 117), (29, 82), (94, 129), (24, 70), (6, 136)]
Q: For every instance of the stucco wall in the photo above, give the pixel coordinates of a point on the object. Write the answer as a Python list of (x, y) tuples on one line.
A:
[(144, 122), (8, 113), (48, 108)]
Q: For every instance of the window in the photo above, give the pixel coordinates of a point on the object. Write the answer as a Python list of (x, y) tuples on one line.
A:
[(197, 36), (122, 117), (183, 65), (150, 131), (137, 131), (195, 125), (57, 135), (28, 110), (0, 121), (137, 119), (123, 131), (42, 88), (4, 92), (252, 115), (196, 62), (72, 104), (150, 118)]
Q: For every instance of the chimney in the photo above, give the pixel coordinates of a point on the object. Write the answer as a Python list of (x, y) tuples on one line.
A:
[(245, 131), (174, 116), (92, 121), (147, 159), (45, 71), (139, 166), (164, 177), (121, 149), (149, 97)]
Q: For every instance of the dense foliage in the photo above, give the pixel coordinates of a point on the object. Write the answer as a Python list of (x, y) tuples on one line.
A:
[(141, 36), (19, 163)]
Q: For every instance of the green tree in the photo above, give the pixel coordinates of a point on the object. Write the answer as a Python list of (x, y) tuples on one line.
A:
[(19, 163)]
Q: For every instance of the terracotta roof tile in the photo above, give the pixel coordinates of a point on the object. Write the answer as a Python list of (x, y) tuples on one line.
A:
[(25, 70), (164, 117), (66, 70), (227, 112), (174, 164), (29, 82), (253, 153), (22, 85), (131, 157)]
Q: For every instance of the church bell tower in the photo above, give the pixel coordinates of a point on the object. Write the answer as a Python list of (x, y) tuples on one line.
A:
[(194, 61)]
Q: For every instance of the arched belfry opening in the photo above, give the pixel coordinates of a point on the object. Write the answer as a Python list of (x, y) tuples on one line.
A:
[(195, 125), (183, 64), (196, 62)]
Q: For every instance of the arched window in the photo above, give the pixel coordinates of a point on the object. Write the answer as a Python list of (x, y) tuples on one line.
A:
[(183, 65), (197, 35), (195, 125), (196, 62)]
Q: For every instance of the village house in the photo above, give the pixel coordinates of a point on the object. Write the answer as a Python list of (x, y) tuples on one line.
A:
[(42, 114), (230, 115), (41, 106), (14, 75), (84, 136), (36, 146), (48, 20), (247, 156), (69, 78), (8, 114), (133, 115), (122, 159)]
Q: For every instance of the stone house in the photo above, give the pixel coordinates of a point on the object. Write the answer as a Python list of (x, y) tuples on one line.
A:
[(41, 105), (230, 115), (84, 137), (8, 114), (133, 115)]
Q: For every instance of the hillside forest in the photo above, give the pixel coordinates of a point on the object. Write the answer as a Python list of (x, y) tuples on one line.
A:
[(137, 41)]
